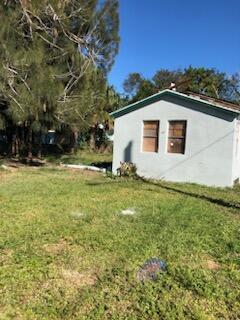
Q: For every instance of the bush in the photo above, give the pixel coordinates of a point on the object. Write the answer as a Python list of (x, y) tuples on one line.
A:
[(127, 169)]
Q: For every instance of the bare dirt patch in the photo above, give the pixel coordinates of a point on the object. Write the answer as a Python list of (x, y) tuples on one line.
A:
[(207, 262), (212, 265), (203, 261)]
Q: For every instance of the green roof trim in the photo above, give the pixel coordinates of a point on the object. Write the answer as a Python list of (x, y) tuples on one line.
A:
[(159, 96)]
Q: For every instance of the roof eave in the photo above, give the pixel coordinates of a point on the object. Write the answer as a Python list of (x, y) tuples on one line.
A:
[(156, 97)]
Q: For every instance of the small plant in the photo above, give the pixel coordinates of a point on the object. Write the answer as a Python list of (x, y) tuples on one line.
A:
[(127, 169)]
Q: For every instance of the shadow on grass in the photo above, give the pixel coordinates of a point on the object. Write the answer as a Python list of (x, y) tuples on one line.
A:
[(173, 189), (220, 202), (22, 161), (103, 165)]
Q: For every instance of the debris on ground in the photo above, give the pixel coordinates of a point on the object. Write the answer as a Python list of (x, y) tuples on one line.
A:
[(151, 269), (77, 215), (129, 211), (84, 167)]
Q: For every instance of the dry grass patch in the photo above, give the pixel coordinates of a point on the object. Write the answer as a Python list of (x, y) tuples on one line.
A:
[(8, 174), (78, 280), (201, 262), (6, 255), (122, 306), (56, 248), (69, 279), (64, 283), (211, 265), (60, 247)]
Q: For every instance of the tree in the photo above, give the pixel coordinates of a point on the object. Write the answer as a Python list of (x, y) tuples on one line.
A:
[(210, 82), (132, 83), (138, 87), (55, 57), (163, 78)]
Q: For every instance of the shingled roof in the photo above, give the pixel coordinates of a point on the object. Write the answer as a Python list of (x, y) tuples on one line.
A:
[(224, 103), (190, 96)]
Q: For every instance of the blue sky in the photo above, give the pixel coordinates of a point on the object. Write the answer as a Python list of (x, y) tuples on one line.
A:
[(174, 34)]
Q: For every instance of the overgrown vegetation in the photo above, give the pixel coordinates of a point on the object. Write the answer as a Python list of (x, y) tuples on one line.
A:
[(127, 169), (55, 57), (68, 252), (87, 157)]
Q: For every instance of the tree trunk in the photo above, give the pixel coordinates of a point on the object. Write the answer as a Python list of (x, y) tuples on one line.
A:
[(92, 142), (73, 141), (14, 142), (39, 152), (30, 143), (22, 139)]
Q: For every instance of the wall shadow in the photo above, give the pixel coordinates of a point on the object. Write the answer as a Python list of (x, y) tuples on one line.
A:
[(127, 154)]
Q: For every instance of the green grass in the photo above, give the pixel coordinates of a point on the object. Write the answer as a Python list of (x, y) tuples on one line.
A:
[(81, 157), (66, 252)]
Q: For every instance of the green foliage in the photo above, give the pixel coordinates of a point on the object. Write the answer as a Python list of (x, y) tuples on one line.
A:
[(206, 81), (115, 100), (54, 61), (127, 169), (132, 83), (163, 78)]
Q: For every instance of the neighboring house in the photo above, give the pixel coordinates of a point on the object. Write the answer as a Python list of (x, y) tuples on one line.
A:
[(180, 137)]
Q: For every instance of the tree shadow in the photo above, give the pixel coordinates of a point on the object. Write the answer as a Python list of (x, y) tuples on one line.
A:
[(217, 201)]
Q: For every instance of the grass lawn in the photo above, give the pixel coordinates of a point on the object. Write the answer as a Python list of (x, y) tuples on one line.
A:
[(67, 252), (81, 157)]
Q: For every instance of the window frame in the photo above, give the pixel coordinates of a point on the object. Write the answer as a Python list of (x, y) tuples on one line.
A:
[(172, 137), (146, 137)]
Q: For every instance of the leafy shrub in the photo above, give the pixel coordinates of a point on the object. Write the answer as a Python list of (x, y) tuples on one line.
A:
[(127, 169)]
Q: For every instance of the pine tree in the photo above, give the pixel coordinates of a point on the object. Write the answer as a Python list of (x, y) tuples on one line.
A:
[(55, 57)]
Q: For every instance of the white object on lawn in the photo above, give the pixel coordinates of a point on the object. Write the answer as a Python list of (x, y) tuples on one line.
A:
[(77, 215), (84, 167), (129, 211)]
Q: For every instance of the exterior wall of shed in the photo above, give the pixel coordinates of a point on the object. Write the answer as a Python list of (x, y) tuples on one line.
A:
[(236, 151), (210, 154)]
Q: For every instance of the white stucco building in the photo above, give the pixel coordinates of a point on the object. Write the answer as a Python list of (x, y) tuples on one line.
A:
[(180, 137)]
